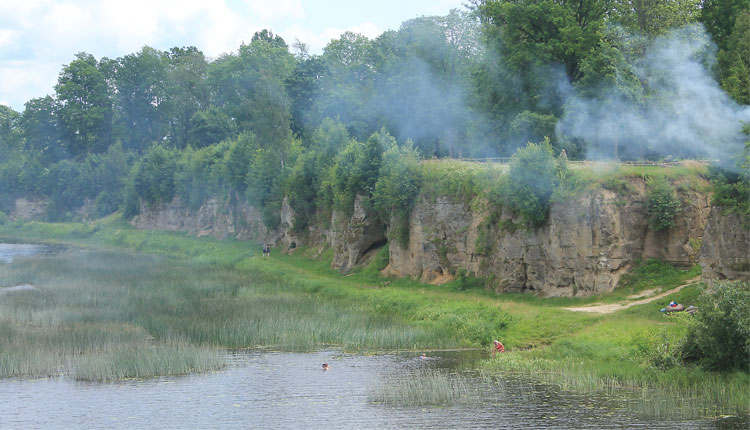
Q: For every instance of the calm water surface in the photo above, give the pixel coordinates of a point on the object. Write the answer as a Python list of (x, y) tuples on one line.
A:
[(10, 250), (289, 390), (262, 390)]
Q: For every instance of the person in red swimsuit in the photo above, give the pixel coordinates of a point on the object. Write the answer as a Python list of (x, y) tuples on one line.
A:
[(498, 347)]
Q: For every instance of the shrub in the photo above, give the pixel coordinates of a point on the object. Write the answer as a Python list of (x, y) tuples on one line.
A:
[(719, 337), (534, 174), (663, 204), (397, 188), (732, 188)]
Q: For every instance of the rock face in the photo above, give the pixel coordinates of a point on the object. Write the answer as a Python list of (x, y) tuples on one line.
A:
[(586, 245), (213, 218), (725, 253), (28, 209), (355, 238)]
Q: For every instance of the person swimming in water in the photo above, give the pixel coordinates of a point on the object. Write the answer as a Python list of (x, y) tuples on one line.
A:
[(326, 366)]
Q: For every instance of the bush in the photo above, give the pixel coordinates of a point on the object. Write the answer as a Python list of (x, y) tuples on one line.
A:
[(397, 188), (732, 188), (719, 337), (534, 174), (4, 218), (663, 204)]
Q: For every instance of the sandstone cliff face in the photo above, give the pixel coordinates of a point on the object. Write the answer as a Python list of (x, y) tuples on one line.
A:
[(213, 218), (355, 238), (587, 244), (584, 248), (28, 209), (725, 253)]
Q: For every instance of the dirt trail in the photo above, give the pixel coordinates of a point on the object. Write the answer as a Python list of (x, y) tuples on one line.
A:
[(614, 307)]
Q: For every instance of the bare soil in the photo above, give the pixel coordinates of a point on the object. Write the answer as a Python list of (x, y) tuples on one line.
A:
[(609, 308)]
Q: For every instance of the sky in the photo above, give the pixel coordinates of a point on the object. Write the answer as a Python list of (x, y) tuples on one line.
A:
[(38, 37)]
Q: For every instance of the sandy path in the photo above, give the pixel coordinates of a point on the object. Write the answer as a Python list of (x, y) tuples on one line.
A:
[(614, 307)]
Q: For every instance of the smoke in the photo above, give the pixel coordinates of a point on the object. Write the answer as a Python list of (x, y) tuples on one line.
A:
[(678, 109)]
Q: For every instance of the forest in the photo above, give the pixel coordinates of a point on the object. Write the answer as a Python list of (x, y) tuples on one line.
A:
[(600, 79)]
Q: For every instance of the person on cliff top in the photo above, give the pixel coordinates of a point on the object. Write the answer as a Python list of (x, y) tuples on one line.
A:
[(498, 347)]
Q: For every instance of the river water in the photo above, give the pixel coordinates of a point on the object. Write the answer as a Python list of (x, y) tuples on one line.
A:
[(269, 390)]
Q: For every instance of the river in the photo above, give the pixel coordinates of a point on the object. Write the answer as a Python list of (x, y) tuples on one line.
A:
[(271, 389)]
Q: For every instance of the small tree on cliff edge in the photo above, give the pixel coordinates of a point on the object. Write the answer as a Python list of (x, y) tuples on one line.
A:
[(532, 177)]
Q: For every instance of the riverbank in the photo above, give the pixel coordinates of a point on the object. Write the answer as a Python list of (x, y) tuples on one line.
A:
[(224, 293)]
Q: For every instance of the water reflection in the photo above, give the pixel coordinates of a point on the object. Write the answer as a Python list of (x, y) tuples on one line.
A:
[(290, 390)]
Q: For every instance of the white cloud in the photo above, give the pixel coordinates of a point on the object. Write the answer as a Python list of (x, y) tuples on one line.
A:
[(270, 10)]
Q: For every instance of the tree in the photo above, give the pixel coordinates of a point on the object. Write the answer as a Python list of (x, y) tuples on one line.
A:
[(537, 32), (10, 131), (210, 126), (734, 61), (41, 130), (422, 82), (654, 17), (718, 16), (397, 188), (348, 89), (84, 108), (141, 80), (188, 89)]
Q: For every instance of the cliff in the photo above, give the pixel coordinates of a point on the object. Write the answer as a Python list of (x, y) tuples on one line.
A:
[(726, 247), (584, 248), (586, 245)]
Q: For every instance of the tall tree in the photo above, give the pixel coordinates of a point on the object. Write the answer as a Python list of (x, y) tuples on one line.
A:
[(41, 129), (654, 17), (141, 93), (734, 61), (718, 17), (10, 131), (188, 90), (84, 107)]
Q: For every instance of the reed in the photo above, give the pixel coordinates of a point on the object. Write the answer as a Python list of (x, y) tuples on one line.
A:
[(108, 315), (422, 388), (678, 394)]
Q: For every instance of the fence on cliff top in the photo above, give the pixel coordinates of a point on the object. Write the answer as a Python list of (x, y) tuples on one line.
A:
[(506, 160)]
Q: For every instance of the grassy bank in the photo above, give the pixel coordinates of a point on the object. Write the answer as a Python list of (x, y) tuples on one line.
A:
[(141, 303)]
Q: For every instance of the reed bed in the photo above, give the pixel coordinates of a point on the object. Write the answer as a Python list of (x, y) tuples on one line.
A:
[(110, 315), (680, 394), (422, 388)]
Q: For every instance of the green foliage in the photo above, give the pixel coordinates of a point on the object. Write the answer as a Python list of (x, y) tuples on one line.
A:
[(305, 184), (534, 173), (397, 188), (4, 219), (719, 339), (154, 179), (209, 127), (355, 171), (733, 62), (84, 108), (662, 201), (732, 189)]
